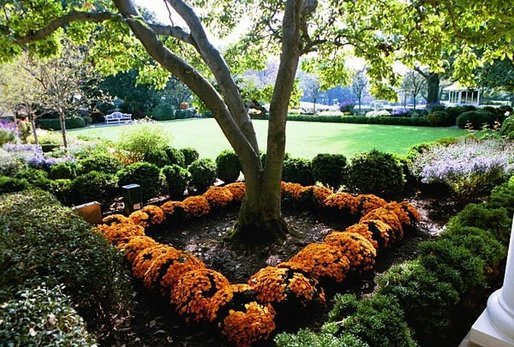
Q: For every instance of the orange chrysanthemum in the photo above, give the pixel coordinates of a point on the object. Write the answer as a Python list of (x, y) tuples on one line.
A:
[(362, 229), (148, 215), (314, 196), (390, 218), (120, 233), (193, 294), (196, 206), (146, 257), (382, 232), (218, 197), (135, 245), (320, 260), (413, 213), (254, 323), (342, 202), (291, 191), (368, 202), (359, 250), (115, 218), (238, 190), (225, 299)]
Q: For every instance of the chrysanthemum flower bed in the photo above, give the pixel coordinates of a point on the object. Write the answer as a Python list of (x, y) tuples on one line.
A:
[(246, 313)]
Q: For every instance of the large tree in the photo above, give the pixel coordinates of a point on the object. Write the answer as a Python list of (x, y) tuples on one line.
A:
[(379, 31), (413, 83)]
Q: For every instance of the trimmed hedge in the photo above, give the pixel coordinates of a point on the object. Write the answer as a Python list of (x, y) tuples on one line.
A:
[(46, 242), (163, 111), (228, 166), (177, 179), (100, 162), (54, 124), (11, 185), (415, 121), (94, 186), (507, 128), (203, 173), (190, 155), (298, 170), (145, 174), (329, 169)]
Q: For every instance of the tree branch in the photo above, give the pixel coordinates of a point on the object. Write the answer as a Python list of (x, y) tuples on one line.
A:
[(219, 69), (73, 16)]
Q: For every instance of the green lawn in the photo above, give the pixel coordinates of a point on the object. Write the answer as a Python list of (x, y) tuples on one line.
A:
[(304, 139)]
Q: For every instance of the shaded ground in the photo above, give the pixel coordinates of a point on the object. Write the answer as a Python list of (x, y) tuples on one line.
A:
[(154, 322)]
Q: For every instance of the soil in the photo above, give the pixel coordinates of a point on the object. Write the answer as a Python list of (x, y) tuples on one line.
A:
[(154, 322)]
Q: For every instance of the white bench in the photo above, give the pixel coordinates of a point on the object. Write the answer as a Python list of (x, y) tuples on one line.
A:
[(118, 117)]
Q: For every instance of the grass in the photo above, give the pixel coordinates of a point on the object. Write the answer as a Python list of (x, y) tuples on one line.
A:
[(303, 139)]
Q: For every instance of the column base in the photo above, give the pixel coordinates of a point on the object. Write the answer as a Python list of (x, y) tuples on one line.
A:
[(495, 326)]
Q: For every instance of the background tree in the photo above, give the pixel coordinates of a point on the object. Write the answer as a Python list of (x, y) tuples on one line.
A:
[(20, 90), (311, 88), (360, 87), (414, 83), (380, 32)]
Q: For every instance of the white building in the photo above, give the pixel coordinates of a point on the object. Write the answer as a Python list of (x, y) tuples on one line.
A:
[(458, 95)]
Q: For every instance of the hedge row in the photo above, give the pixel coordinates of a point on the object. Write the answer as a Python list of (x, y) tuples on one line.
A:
[(246, 312), (415, 121), (55, 124), (43, 242), (422, 295)]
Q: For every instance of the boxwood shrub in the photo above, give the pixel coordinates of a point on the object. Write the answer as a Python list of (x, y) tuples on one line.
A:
[(190, 155), (177, 179), (99, 162), (163, 111), (145, 174), (11, 185), (228, 166), (203, 173), (329, 169), (157, 156), (507, 128), (43, 241), (478, 118), (64, 170), (54, 123), (298, 170), (376, 173), (94, 186), (175, 156)]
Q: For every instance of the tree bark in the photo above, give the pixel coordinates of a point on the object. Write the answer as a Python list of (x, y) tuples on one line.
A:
[(433, 81), (34, 128), (62, 121)]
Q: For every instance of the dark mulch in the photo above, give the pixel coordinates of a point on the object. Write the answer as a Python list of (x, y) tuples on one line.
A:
[(154, 322)]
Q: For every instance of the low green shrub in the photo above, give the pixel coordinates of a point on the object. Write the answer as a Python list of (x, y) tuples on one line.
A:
[(415, 121), (55, 124), (453, 264), (43, 241), (177, 179), (183, 114), (502, 196), (377, 321), (94, 186), (190, 155), (487, 217), (203, 173), (175, 156), (7, 136), (157, 156), (307, 338), (477, 119), (329, 169), (298, 170), (145, 174), (440, 118), (99, 162), (64, 170), (163, 111), (507, 128), (11, 185), (426, 300), (142, 137), (376, 173), (61, 189), (228, 166), (42, 317), (35, 177)]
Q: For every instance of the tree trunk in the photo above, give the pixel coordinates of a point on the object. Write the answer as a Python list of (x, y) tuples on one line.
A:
[(359, 106), (62, 120), (414, 101), (433, 89), (34, 129)]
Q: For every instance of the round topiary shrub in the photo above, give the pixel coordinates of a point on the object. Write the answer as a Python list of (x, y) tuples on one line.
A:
[(100, 162), (228, 166), (64, 170), (163, 111), (203, 172), (94, 186), (476, 119), (35, 177), (145, 174), (190, 155), (376, 173), (157, 156), (177, 179), (175, 156), (298, 170), (439, 118), (329, 169)]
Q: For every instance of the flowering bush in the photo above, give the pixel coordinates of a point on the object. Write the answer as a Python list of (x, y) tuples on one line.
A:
[(115, 218), (313, 196), (218, 197), (245, 327), (382, 232), (148, 215), (196, 206), (280, 284), (238, 190), (174, 209), (390, 218), (368, 202), (290, 191), (342, 202), (363, 230), (33, 156), (8, 133), (320, 260), (357, 248), (193, 296), (176, 268), (145, 259), (469, 167), (135, 245), (120, 233)]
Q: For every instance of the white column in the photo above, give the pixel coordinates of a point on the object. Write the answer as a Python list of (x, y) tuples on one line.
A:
[(495, 327)]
